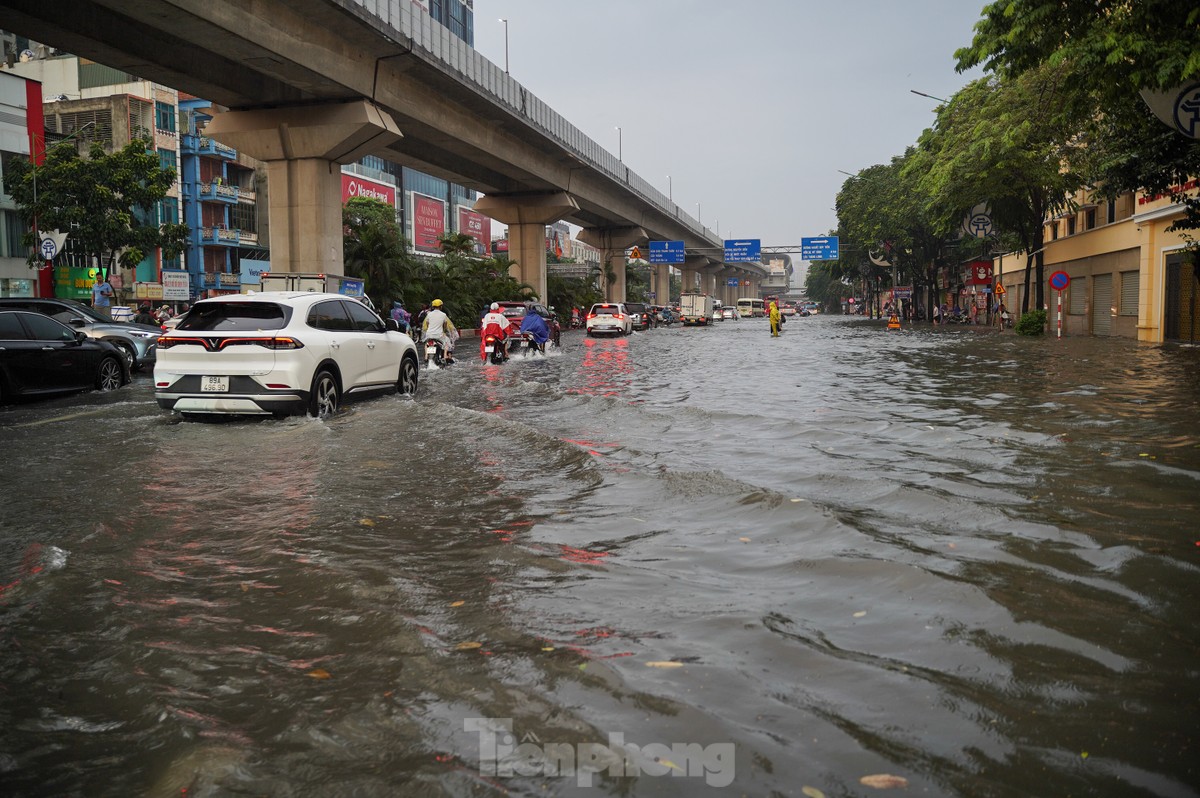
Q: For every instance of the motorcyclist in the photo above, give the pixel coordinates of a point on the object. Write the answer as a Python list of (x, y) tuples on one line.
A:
[(535, 326), (438, 327), (493, 323), (400, 315)]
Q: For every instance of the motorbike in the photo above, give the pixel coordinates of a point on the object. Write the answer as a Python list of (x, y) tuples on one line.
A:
[(435, 353), (495, 348)]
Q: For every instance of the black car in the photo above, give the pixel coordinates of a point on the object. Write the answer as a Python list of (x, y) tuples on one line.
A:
[(40, 356), (137, 342)]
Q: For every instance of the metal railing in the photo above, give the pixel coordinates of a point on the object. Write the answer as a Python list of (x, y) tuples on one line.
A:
[(402, 19)]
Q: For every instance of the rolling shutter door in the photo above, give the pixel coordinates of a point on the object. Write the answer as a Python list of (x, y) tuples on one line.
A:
[(1130, 285), (1102, 299)]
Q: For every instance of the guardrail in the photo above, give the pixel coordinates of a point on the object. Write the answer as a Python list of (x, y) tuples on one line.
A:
[(402, 19)]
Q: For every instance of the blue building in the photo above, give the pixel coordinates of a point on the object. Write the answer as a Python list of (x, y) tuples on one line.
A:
[(220, 208)]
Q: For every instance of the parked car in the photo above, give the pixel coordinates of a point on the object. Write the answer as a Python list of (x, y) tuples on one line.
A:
[(280, 353), (40, 356), (640, 317), (729, 313), (137, 342), (608, 318)]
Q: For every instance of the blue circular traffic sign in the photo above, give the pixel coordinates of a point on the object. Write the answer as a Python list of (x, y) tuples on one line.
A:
[(1060, 280)]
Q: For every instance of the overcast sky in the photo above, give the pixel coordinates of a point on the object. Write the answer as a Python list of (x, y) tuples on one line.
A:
[(751, 107)]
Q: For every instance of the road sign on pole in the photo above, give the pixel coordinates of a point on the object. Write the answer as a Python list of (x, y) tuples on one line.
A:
[(667, 252), (635, 254), (748, 250), (1059, 281), (826, 248)]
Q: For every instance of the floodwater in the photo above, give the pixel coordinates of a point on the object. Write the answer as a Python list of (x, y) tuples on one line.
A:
[(688, 562)]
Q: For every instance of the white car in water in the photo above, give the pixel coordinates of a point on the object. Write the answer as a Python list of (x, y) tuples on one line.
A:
[(280, 353)]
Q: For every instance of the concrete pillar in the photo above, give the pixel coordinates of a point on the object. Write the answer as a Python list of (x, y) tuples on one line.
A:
[(662, 284), (303, 147), (527, 216), (612, 243)]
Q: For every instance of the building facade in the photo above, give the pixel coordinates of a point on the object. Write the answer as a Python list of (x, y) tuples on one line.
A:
[(1130, 277), (20, 137)]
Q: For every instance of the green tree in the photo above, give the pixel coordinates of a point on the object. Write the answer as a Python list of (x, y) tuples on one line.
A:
[(107, 202), (373, 249), (456, 244), (1107, 50), (1010, 143), (884, 209)]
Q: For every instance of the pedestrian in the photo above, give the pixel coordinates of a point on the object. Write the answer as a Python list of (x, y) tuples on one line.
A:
[(102, 293), (1004, 317), (974, 312), (144, 316), (775, 317), (937, 315)]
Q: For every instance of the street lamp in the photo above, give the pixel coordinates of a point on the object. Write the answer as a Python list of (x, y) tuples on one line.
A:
[(505, 21), (620, 146), (930, 96), (698, 214), (670, 189)]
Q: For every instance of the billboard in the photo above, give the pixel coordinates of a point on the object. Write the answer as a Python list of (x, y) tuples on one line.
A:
[(428, 222), (478, 227), (358, 186)]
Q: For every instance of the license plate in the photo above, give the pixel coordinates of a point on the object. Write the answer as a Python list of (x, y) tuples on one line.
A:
[(487, 349), (429, 350), (214, 385)]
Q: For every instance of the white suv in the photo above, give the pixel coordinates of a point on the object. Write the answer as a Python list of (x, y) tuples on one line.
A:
[(279, 353), (609, 317)]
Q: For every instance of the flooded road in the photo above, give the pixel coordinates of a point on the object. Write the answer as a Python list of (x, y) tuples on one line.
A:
[(689, 562)]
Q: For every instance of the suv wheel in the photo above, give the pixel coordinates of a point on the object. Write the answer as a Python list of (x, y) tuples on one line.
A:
[(407, 383), (108, 377), (127, 353), (323, 399)]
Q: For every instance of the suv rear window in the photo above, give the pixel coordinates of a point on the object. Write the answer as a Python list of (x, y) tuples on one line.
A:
[(635, 307), (605, 309), (235, 317)]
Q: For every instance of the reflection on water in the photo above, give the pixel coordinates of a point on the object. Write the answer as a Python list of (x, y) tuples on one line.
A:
[(954, 558)]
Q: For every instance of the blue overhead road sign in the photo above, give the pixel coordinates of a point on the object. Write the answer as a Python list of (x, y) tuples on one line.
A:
[(819, 248), (667, 252), (748, 250)]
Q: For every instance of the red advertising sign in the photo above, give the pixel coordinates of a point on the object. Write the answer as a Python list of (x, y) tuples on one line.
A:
[(355, 186), (429, 222), (478, 227), (981, 273), (500, 245)]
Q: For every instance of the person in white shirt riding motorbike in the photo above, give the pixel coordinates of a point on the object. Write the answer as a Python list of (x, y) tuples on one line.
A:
[(438, 327)]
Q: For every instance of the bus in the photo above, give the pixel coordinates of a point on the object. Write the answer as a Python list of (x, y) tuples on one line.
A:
[(749, 308)]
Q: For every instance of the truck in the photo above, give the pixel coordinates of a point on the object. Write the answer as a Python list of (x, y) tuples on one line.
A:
[(320, 283), (696, 308)]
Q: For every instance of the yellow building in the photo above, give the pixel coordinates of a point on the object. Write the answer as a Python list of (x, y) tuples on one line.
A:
[(1129, 276)]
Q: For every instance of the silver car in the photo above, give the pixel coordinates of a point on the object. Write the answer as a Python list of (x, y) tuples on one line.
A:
[(137, 342)]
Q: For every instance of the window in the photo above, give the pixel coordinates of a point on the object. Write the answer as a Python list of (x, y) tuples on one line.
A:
[(47, 329), (164, 116), (1130, 285), (10, 327), (1071, 225), (363, 319), (1054, 231), (11, 232), (166, 159), (328, 316), (1112, 211), (1089, 219), (235, 316), (168, 211)]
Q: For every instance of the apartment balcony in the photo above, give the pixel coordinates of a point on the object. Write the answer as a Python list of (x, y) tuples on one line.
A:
[(248, 238), (219, 236), (218, 192), (220, 280), (202, 145)]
